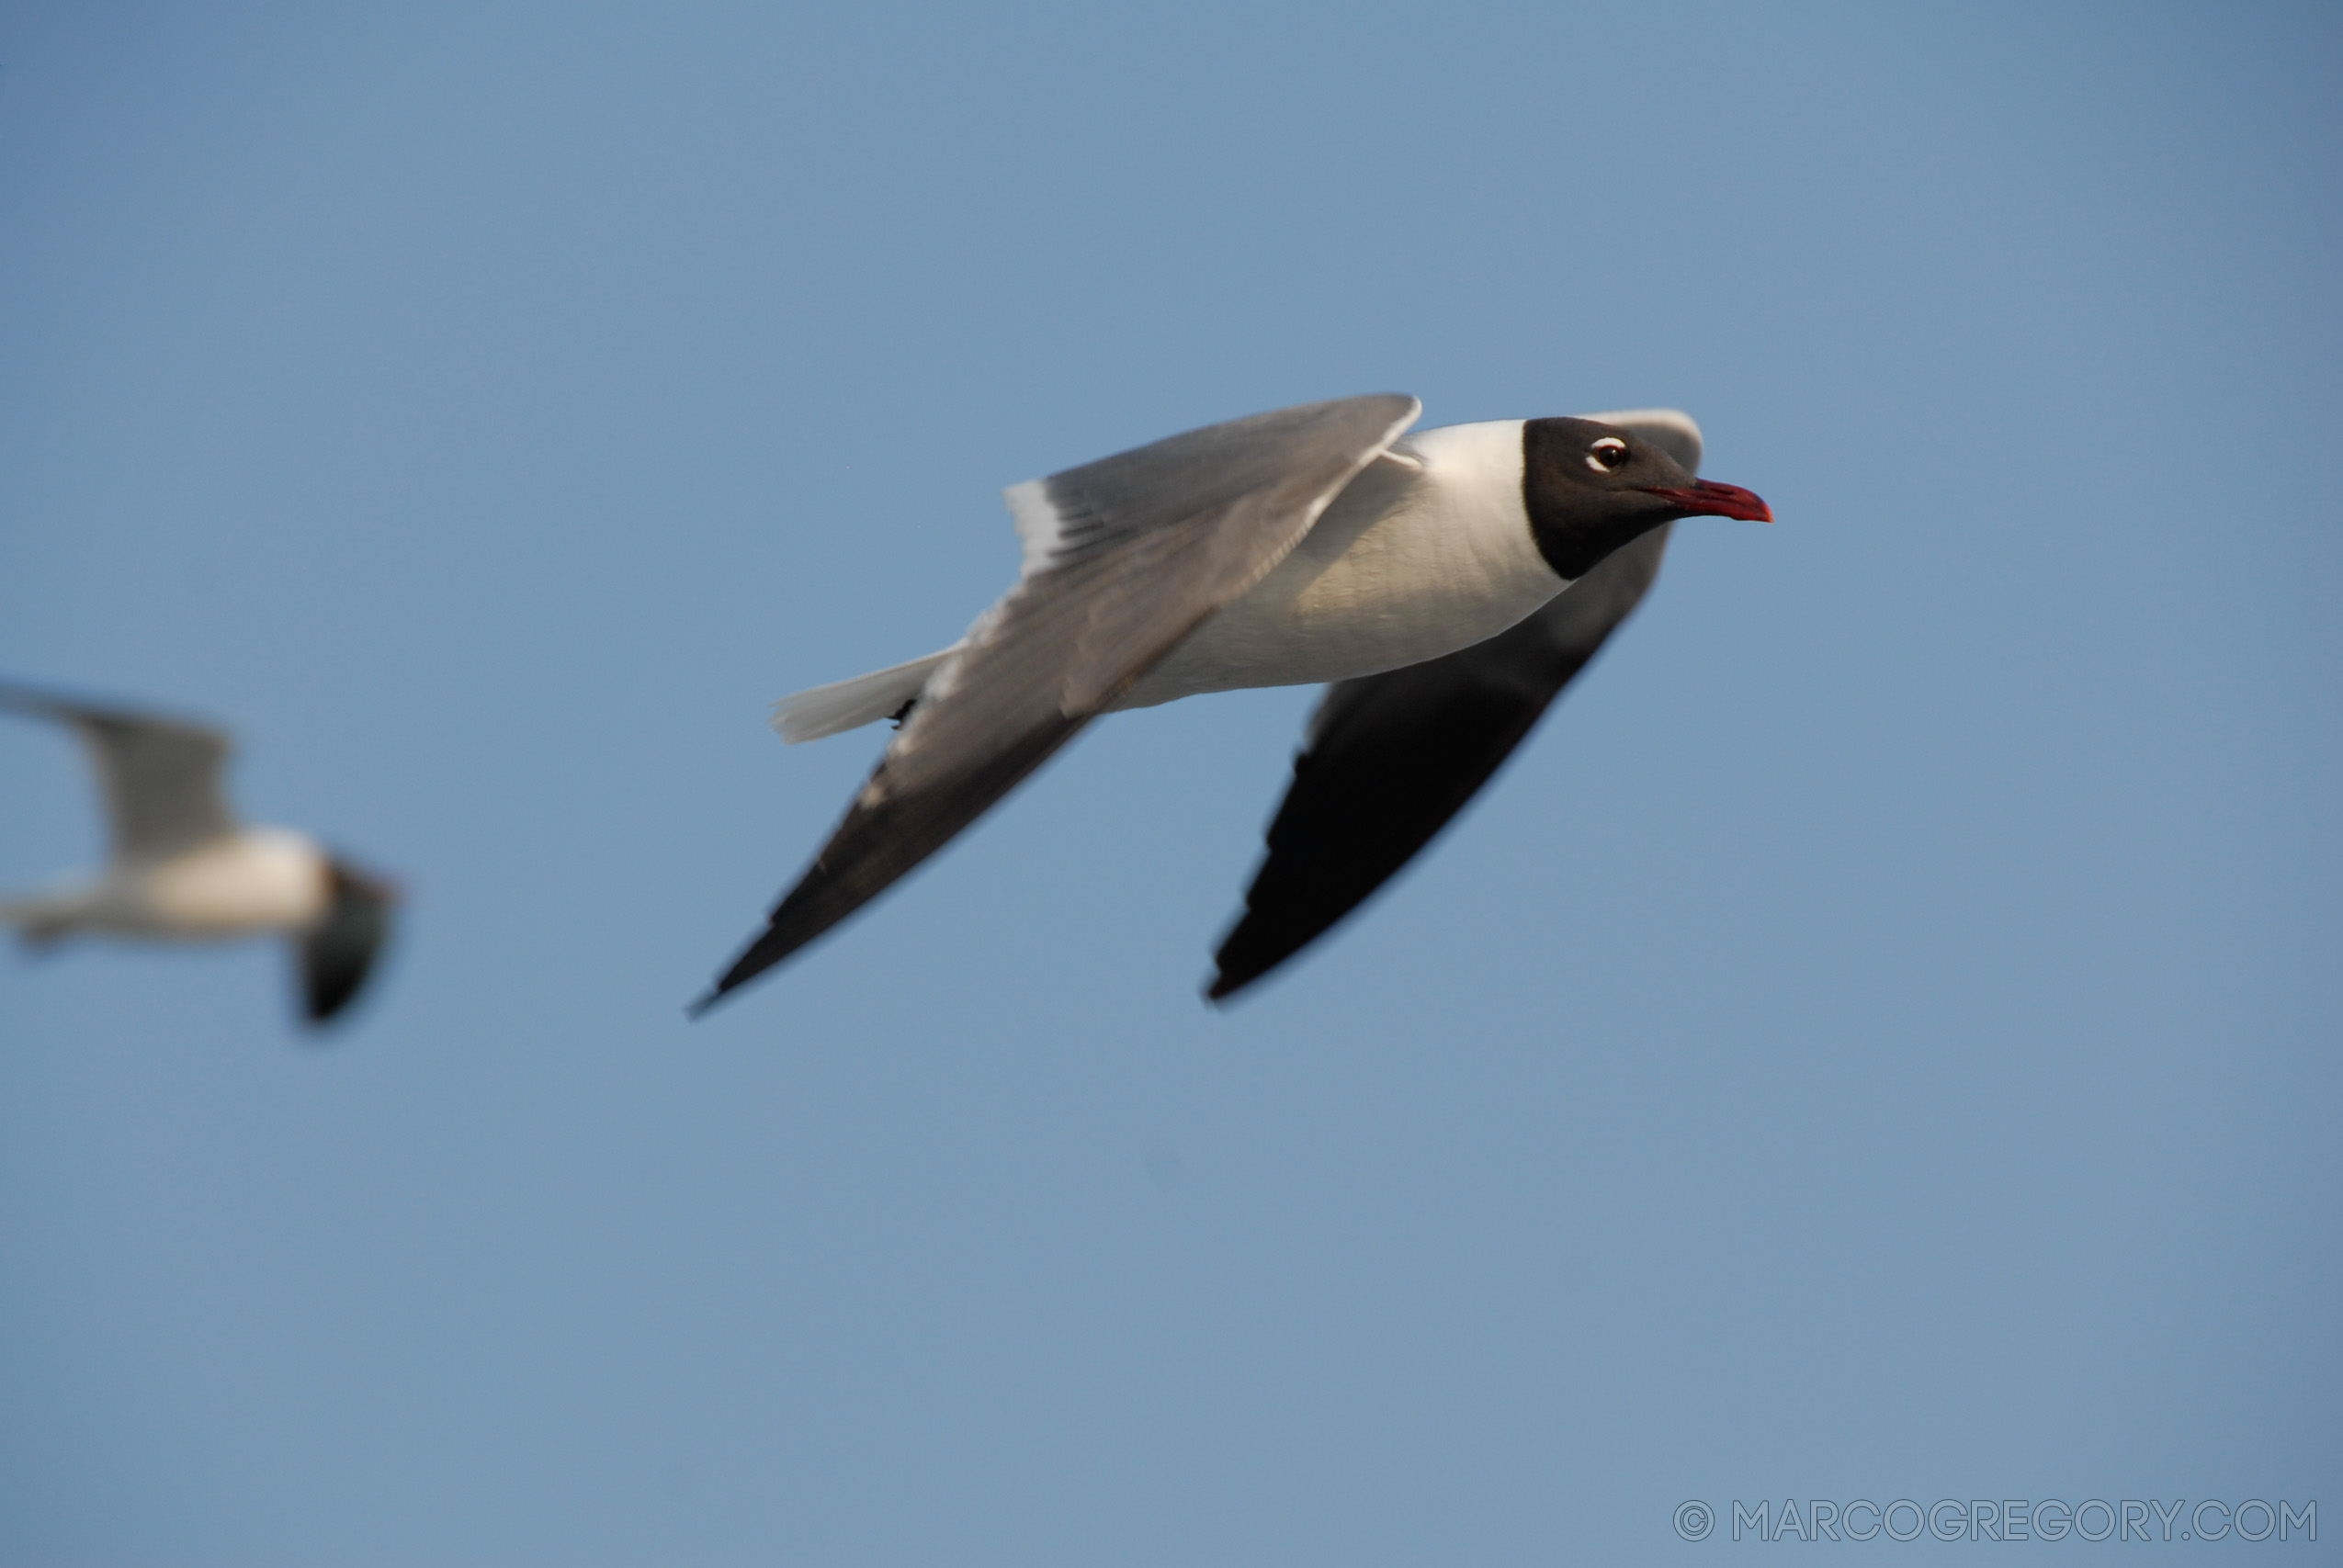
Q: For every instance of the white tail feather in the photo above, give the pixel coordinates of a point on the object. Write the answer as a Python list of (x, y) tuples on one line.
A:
[(42, 916), (845, 704)]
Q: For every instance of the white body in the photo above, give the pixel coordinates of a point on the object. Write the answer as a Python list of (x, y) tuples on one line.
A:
[(1427, 551), (1408, 563), (259, 880)]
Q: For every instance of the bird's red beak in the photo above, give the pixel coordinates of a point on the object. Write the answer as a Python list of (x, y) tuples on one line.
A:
[(1706, 499)]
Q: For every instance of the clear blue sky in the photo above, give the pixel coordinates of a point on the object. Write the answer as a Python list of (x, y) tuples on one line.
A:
[(1880, 1039)]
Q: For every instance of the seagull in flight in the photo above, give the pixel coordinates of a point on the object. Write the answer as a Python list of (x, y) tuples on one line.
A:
[(1446, 584), (182, 868)]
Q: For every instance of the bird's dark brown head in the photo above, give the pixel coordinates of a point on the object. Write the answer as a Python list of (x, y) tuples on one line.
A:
[(1589, 487)]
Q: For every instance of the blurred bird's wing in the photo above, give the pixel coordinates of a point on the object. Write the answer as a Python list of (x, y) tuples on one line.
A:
[(338, 953), (1123, 559), (161, 776), (1389, 759)]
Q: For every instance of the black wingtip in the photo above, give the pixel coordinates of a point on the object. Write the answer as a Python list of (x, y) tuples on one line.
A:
[(336, 957), (1247, 955), (1227, 982), (769, 949)]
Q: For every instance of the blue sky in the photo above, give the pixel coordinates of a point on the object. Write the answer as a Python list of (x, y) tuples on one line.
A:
[(1879, 1038)]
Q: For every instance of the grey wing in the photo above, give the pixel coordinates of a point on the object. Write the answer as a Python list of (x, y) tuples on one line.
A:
[(162, 777), (1389, 759), (1125, 557)]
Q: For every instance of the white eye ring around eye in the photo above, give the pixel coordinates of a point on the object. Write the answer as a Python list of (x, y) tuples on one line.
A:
[(1606, 453)]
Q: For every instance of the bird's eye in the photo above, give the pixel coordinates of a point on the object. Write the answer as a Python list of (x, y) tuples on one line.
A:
[(1606, 454)]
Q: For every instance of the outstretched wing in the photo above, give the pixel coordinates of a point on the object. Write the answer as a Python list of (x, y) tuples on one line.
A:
[(1389, 759), (161, 776), (338, 953), (1124, 557)]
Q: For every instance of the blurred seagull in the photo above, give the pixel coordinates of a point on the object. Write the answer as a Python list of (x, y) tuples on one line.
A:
[(182, 869), (1424, 577)]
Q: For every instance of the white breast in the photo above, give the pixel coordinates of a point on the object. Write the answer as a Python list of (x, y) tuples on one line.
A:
[(1404, 566), (263, 879)]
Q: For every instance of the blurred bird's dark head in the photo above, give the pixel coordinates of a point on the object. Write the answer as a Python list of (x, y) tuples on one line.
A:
[(338, 953), (1589, 487)]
